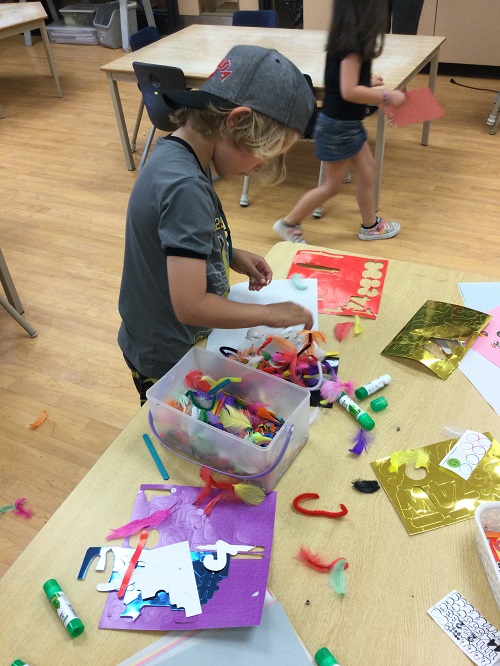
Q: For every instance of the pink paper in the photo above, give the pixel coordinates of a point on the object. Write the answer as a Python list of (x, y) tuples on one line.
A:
[(488, 342), (235, 601), (420, 106)]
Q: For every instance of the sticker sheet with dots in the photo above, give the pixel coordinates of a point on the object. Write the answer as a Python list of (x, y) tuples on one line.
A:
[(467, 453), (467, 628)]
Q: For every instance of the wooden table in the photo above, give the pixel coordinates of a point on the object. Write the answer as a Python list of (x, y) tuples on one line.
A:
[(16, 18), (392, 579), (198, 48)]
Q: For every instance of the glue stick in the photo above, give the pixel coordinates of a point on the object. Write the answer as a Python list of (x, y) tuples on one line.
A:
[(19, 662), (371, 387), (64, 609), (324, 657), (364, 419)]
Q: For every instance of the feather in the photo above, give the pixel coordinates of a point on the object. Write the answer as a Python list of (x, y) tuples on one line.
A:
[(284, 344), (342, 330), (330, 390), (337, 576), (313, 561), (360, 440), (195, 380), (419, 457), (249, 494), (366, 486), (153, 520), (20, 510), (234, 420), (224, 496), (357, 325), (456, 433), (43, 417)]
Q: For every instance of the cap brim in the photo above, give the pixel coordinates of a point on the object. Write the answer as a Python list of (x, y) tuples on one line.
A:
[(195, 99)]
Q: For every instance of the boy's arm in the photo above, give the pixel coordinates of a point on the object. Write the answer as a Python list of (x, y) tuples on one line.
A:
[(351, 91), (254, 266), (194, 306)]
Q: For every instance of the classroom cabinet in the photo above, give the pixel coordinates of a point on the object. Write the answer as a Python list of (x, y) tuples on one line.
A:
[(471, 27)]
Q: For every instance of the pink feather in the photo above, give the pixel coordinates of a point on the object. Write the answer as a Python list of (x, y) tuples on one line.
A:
[(330, 390), (360, 441), (153, 520), (21, 510), (342, 330)]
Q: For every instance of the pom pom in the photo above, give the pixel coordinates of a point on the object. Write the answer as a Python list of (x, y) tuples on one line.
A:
[(342, 330), (366, 486), (360, 441)]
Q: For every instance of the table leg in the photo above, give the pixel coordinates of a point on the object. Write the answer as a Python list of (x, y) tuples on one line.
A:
[(48, 52), (379, 154), (120, 121), (20, 320), (432, 85)]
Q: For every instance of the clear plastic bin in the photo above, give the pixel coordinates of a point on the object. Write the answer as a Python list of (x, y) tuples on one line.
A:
[(217, 449), (108, 24), (60, 33), (79, 14), (487, 517)]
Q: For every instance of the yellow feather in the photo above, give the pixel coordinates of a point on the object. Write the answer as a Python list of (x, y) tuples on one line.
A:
[(249, 493), (234, 420), (357, 325)]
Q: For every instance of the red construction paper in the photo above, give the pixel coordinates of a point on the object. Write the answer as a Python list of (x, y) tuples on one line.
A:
[(347, 285), (420, 106)]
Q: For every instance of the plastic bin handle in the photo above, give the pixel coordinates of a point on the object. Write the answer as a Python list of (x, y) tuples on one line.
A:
[(287, 441)]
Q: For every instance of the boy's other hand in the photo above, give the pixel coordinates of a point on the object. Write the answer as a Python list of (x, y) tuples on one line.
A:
[(282, 315), (255, 267)]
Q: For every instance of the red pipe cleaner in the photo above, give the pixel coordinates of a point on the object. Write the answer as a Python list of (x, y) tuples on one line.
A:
[(318, 512)]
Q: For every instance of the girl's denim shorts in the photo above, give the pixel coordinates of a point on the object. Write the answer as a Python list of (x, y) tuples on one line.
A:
[(338, 140)]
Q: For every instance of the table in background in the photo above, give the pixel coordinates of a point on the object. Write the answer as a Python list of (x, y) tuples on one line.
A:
[(199, 48), (392, 579), (17, 18)]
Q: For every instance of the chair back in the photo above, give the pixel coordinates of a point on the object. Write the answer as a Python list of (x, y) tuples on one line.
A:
[(144, 37), (153, 80), (264, 18)]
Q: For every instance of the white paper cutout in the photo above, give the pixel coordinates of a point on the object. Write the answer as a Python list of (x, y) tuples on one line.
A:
[(467, 453), (223, 550), (467, 628)]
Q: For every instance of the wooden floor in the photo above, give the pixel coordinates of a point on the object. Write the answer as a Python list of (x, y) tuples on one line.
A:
[(64, 190)]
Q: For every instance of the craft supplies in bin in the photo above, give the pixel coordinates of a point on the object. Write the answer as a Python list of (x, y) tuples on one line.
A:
[(108, 24), (487, 517), (217, 449), (83, 14)]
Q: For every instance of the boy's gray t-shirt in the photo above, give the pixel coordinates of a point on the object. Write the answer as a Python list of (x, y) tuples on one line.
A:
[(173, 210)]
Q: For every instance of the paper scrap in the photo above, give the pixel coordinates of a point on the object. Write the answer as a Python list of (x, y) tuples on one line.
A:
[(420, 107), (488, 342), (467, 453), (467, 628)]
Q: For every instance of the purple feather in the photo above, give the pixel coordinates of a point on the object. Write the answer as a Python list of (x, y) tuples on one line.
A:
[(360, 441)]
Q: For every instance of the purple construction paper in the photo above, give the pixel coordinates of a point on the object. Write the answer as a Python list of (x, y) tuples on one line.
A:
[(239, 601)]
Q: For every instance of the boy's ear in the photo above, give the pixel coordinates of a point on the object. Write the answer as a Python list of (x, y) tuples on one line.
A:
[(236, 115)]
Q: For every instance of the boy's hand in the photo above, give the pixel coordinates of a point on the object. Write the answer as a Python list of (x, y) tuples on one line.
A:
[(258, 270), (376, 80), (282, 315)]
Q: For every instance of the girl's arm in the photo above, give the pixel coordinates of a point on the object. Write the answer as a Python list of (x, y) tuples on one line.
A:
[(194, 306), (351, 91)]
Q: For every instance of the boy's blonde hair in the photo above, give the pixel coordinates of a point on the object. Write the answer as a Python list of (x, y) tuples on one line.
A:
[(261, 135)]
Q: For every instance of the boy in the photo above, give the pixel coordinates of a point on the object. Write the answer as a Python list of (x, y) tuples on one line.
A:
[(177, 243)]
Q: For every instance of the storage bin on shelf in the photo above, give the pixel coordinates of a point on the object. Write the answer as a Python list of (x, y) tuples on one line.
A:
[(108, 25), (83, 14), (487, 517), (207, 445)]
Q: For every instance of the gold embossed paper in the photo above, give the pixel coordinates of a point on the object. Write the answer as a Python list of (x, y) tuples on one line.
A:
[(438, 336), (442, 497)]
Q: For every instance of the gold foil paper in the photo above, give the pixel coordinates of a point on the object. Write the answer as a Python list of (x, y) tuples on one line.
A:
[(442, 497), (438, 336)]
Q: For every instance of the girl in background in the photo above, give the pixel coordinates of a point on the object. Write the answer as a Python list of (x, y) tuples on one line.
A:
[(356, 37)]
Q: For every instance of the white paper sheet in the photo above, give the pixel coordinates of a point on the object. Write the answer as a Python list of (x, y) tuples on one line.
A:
[(482, 296), (484, 375), (276, 292)]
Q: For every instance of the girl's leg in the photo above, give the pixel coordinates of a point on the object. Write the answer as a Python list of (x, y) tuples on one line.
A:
[(365, 186), (333, 173)]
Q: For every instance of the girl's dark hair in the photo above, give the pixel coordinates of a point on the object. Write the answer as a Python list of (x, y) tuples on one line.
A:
[(358, 26)]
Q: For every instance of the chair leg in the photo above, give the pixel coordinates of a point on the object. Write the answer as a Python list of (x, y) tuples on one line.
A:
[(137, 125), (318, 212), (20, 320), (244, 194), (148, 146)]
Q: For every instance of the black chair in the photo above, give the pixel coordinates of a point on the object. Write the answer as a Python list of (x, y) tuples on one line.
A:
[(153, 80), (137, 40), (264, 18)]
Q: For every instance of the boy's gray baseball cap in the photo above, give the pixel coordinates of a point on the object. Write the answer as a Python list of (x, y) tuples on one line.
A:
[(262, 79)]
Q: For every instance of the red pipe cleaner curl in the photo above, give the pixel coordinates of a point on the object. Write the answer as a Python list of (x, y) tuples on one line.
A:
[(317, 512)]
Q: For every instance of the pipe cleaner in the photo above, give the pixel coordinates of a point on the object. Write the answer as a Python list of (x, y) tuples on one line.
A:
[(17, 508), (318, 512)]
